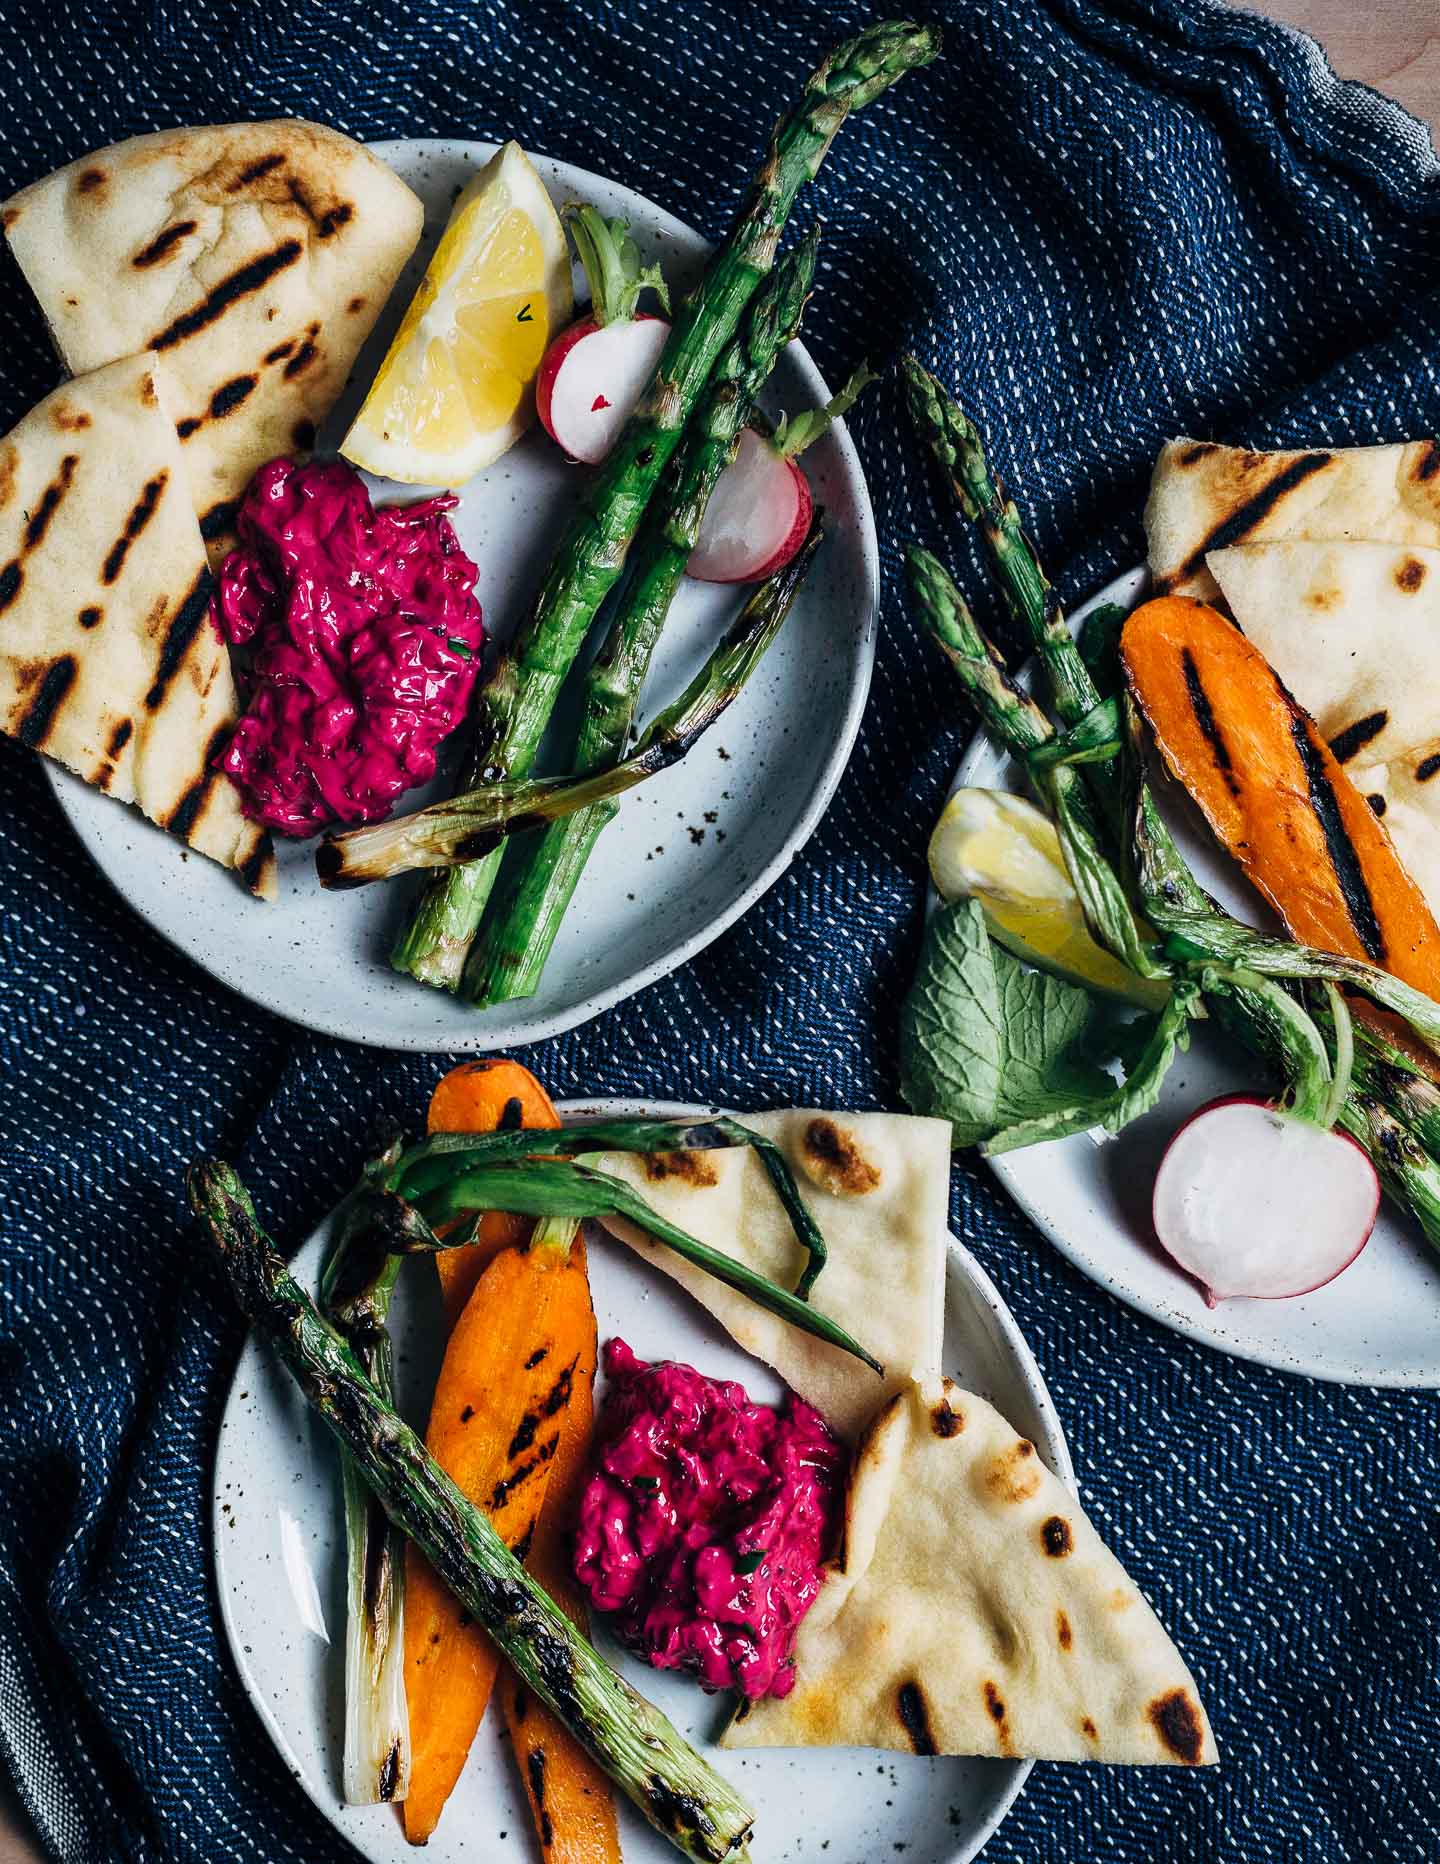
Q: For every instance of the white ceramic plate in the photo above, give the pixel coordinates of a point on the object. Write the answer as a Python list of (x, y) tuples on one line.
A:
[(1377, 1324), (689, 851), (279, 1545)]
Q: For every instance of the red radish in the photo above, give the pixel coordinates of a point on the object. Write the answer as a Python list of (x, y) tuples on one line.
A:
[(591, 378), (757, 517), (594, 372), (1252, 1201), (759, 513)]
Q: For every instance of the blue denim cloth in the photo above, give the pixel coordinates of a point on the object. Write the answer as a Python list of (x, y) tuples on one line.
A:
[(1106, 222)]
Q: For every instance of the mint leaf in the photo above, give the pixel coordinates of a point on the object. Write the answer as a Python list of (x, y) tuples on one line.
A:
[(987, 1043)]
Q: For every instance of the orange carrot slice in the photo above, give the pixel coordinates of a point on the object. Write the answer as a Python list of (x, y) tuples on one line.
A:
[(491, 1095), (526, 1336), (1271, 789)]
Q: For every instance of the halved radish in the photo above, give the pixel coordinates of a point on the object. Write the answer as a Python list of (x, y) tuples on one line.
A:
[(1252, 1201), (759, 513), (595, 371), (757, 516), (590, 379)]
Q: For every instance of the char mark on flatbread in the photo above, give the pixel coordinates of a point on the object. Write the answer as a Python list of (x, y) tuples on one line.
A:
[(1175, 1717), (257, 865), (164, 242), (1410, 575), (50, 501), (915, 1717), (304, 355), (1427, 767), (230, 394), (11, 577), (231, 290), (191, 806), (1428, 463), (1237, 525), (255, 170), (90, 616), (1209, 725), (190, 617), (141, 512), (34, 728), (219, 519), (1350, 742), (1349, 869)]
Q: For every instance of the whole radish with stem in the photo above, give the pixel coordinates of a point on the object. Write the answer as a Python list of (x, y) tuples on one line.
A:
[(1264, 1201), (759, 513), (593, 373)]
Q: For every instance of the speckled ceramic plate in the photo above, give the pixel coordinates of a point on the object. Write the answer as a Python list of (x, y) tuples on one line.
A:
[(1377, 1324), (279, 1546), (688, 852)]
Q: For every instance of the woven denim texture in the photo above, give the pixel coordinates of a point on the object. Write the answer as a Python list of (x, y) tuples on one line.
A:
[(1105, 223)]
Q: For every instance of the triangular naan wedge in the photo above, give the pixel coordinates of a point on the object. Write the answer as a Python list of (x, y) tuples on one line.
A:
[(108, 659), (974, 1610), (253, 258), (1206, 497), (1353, 629), (879, 1185)]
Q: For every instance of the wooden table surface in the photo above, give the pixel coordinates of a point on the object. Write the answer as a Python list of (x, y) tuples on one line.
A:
[(1391, 44)]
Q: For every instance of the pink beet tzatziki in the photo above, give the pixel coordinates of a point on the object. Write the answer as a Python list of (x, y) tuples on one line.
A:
[(705, 1521), (365, 638)]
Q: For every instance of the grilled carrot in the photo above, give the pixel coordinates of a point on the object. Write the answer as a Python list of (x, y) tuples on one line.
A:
[(571, 1800), (526, 1335), (491, 1095), (1271, 789)]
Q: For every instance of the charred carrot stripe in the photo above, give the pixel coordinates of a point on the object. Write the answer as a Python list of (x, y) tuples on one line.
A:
[(1349, 869), (1209, 725)]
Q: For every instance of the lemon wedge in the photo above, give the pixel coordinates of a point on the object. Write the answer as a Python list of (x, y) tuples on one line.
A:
[(457, 386), (1002, 851)]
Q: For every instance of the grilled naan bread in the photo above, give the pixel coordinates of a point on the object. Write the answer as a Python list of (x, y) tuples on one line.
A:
[(1205, 497), (1353, 630), (108, 659), (972, 1609), (879, 1187), (252, 258)]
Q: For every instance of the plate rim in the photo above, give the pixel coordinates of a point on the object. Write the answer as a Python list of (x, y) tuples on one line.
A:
[(517, 1028), (1127, 589), (1052, 1444)]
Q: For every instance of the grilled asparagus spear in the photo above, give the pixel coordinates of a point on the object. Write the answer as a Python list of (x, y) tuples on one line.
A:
[(507, 959), (649, 1760), (515, 706)]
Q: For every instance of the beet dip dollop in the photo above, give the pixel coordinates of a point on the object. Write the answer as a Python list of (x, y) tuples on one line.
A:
[(704, 1524), (366, 638)]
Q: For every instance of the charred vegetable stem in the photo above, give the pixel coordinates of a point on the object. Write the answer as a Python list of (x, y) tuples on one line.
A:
[(451, 832), (1024, 729), (429, 1165), (356, 1289), (675, 1789), (554, 1187), (515, 707)]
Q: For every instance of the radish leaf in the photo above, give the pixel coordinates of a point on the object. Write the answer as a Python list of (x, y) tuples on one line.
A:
[(986, 1043)]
